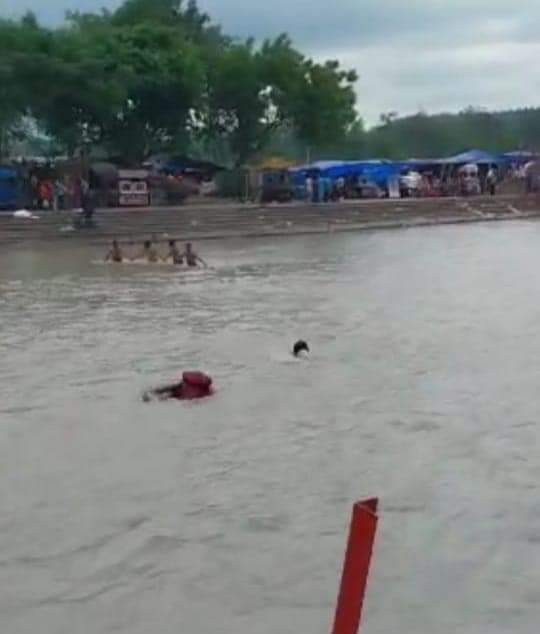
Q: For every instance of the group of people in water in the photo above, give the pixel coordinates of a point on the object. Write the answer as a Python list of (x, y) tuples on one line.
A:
[(198, 385), (149, 253)]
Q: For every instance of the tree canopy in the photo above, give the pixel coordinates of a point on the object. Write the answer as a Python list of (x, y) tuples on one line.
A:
[(158, 75)]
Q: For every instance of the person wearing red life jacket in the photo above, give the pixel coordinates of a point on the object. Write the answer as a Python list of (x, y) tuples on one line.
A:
[(193, 386)]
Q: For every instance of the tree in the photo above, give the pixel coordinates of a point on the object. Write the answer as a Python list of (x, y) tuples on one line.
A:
[(236, 101), (158, 75), (16, 38), (78, 84), (325, 110), (189, 22), (163, 85), (157, 58), (130, 87), (252, 93)]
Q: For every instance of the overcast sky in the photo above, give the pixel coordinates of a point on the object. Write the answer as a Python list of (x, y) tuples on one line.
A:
[(435, 55)]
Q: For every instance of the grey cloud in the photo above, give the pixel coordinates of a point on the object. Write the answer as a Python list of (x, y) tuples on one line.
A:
[(318, 24), (489, 77), (410, 54), (52, 11)]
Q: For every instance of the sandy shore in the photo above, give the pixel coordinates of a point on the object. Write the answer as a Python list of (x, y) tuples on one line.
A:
[(212, 221)]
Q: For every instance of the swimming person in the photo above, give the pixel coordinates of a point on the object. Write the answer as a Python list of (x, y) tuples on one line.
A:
[(115, 253), (174, 253), (191, 257), (300, 348), (193, 386), (148, 253)]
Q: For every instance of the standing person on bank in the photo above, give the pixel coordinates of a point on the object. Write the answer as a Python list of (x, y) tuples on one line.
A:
[(491, 180)]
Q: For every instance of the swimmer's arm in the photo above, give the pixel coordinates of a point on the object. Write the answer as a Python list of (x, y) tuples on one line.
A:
[(199, 259), (159, 392), (167, 390), (108, 257)]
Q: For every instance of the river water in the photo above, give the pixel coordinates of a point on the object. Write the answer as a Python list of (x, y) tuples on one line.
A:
[(231, 515)]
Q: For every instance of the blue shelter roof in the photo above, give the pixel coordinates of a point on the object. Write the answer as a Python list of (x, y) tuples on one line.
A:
[(472, 156), (7, 172)]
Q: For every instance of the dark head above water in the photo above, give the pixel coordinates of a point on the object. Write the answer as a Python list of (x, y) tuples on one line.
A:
[(147, 244), (300, 346)]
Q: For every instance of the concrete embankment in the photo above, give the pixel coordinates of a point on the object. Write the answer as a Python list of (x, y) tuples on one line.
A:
[(203, 222)]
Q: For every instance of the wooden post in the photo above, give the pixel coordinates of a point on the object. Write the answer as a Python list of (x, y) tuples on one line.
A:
[(356, 567)]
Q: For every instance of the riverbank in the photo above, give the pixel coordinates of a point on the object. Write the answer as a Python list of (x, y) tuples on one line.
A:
[(213, 221)]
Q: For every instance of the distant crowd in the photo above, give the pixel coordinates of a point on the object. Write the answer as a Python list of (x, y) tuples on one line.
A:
[(68, 193), (56, 194), (469, 180)]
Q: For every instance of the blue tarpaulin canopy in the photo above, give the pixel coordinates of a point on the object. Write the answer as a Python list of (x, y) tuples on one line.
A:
[(473, 156), (7, 172), (415, 164), (9, 190), (380, 171), (376, 171), (519, 156)]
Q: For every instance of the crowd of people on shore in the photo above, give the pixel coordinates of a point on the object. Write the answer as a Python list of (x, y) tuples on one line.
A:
[(61, 194), (56, 194), (469, 180), (150, 253)]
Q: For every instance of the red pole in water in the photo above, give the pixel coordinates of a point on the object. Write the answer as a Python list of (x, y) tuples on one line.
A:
[(356, 567)]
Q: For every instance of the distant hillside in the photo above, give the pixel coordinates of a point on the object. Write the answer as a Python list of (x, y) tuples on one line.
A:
[(425, 135)]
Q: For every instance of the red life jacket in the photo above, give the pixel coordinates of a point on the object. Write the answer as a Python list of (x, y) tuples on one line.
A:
[(194, 385)]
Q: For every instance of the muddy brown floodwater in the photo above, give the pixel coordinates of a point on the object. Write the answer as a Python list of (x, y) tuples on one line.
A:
[(231, 515)]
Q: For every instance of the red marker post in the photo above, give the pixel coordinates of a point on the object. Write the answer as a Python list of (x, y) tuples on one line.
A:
[(356, 567)]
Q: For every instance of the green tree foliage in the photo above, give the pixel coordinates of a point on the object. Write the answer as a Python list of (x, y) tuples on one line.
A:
[(17, 41), (424, 136), (316, 99), (421, 136), (255, 93), (80, 87), (237, 105), (325, 109), (157, 74), (163, 84)]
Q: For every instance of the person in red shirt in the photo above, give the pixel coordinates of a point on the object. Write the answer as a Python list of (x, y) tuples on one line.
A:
[(193, 386), (46, 194)]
